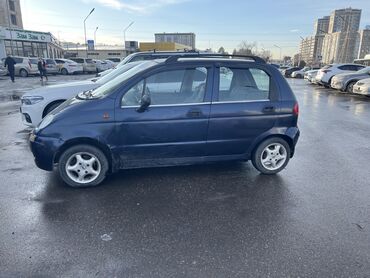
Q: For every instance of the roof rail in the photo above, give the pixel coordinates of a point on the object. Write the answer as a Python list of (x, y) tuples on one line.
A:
[(174, 58)]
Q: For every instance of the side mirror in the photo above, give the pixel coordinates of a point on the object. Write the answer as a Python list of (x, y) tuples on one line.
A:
[(144, 103)]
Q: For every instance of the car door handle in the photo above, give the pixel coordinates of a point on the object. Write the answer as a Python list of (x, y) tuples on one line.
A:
[(194, 113), (268, 109)]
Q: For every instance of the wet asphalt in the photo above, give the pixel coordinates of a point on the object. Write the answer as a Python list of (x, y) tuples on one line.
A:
[(219, 220)]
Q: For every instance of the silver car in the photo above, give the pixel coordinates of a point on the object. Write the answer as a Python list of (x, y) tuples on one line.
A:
[(346, 81)]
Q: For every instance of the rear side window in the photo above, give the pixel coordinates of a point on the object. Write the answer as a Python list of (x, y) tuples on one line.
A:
[(34, 61), (50, 61), (60, 61), (248, 84), (89, 61), (78, 60)]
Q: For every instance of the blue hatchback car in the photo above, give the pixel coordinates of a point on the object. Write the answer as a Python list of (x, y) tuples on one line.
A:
[(179, 111)]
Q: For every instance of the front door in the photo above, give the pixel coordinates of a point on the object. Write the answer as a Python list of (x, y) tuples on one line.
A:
[(243, 108), (174, 126)]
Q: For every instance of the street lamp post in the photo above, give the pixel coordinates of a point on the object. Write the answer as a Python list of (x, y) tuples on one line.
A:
[(280, 50), (124, 33), (96, 29), (85, 30)]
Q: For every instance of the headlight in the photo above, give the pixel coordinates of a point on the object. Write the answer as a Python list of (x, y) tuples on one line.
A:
[(46, 121), (29, 100)]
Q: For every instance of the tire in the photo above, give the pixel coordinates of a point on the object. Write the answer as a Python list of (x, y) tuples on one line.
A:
[(51, 107), (265, 156), (298, 76), (94, 173), (23, 73), (349, 88), (64, 71)]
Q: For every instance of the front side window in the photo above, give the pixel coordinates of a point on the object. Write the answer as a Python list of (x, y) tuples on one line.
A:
[(243, 84), (170, 87)]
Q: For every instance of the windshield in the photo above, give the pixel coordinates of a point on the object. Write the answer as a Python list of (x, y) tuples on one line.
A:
[(364, 70), (116, 72), (110, 86)]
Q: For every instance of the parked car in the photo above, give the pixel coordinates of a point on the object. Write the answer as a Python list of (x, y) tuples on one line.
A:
[(24, 66), (67, 66), (111, 64), (100, 65), (345, 81), (282, 68), (287, 72), (3, 70), (326, 73), (362, 87), (51, 66), (310, 75), (115, 60), (145, 56), (300, 73), (88, 65), (166, 113), (37, 103)]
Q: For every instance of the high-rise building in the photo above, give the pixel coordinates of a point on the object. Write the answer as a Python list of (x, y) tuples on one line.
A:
[(10, 14), (364, 43), (307, 50), (345, 20), (187, 39), (322, 25)]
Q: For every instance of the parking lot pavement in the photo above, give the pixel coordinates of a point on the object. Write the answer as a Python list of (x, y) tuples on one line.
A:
[(13, 91), (221, 220)]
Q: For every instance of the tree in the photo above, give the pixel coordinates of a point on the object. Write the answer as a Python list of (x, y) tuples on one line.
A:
[(246, 48), (221, 50)]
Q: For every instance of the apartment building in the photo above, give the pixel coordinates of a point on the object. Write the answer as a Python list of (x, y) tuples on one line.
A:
[(11, 14)]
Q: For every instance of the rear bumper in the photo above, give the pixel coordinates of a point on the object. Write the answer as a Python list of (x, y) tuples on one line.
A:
[(293, 133)]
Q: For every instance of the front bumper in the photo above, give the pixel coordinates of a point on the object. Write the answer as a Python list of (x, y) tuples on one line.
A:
[(336, 85), (44, 150), (31, 115), (361, 90)]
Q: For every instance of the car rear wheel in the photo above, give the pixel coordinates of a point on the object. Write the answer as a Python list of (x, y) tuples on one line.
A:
[(271, 156), (23, 73), (83, 166), (350, 87)]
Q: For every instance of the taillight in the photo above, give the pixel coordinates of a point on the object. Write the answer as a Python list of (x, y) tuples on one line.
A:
[(296, 109)]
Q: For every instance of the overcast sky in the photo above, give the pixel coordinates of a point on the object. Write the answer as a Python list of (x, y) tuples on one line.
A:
[(215, 23)]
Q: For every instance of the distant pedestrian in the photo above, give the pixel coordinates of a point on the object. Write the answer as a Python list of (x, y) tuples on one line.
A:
[(41, 65), (10, 62)]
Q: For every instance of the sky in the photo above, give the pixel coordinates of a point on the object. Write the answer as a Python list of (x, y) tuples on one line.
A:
[(216, 23)]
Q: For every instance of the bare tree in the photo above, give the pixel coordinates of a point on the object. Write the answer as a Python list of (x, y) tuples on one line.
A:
[(246, 48), (221, 50)]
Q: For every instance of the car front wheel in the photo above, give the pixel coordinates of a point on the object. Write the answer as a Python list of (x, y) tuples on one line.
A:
[(83, 166), (271, 156), (350, 87), (23, 73)]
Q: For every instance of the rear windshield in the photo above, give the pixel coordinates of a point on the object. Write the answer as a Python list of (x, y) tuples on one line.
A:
[(34, 61)]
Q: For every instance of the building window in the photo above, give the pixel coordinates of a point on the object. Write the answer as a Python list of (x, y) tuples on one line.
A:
[(11, 5), (13, 19)]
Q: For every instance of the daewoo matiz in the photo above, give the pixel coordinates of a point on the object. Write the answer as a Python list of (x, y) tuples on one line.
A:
[(178, 111)]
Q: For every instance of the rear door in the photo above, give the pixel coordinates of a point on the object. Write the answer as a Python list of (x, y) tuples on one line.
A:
[(243, 107), (175, 124)]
